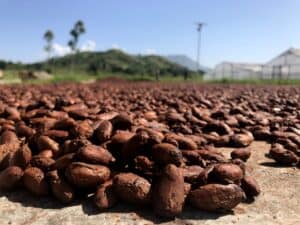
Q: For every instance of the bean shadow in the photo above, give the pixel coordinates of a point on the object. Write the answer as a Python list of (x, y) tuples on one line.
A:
[(89, 208), (274, 164), (28, 200), (147, 213)]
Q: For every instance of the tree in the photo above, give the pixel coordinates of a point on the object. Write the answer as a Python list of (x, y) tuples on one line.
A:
[(2, 65), (49, 36), (75, 33), (186, 74)]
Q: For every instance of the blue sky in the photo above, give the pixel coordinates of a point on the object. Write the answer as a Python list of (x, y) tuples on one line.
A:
[(238, 30)]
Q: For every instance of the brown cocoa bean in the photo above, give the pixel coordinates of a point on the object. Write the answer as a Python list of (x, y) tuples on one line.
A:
[(22, 157), (243, 154), (216, 197), (165, 153), (132, 188), (34, 181), (105, 196), (61, 190), (10, 177), (95, 155), (64, 161), (84, 175), (250, 186), (228, 173), (168, 193), (104, 131), (43, 163)]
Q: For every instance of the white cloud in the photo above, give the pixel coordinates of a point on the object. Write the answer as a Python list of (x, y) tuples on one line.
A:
[(61, 50), (117, 47), (150, 51), (88, 46)]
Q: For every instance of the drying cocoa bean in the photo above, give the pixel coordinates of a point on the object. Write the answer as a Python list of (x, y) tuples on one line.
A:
[(168, 193), (132, 188), (104, 131), (95, 155), (22, 157), (241, 140), (34, 181), (216, 197), (64, 161), (283, 156), (61, 190), (227, 173), (122, 122), (250, 186), (8, 137), (84, 175), (43, 163), (191, 173), (166, 154), (105, 196), (242, 153), (10, 177)]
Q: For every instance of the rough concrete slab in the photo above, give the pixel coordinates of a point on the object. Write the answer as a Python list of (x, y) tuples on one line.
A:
[(279, 203)]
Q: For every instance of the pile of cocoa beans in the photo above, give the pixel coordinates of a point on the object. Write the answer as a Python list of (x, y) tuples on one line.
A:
[(144, 144)]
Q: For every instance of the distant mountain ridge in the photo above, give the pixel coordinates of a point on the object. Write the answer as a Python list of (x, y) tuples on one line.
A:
[(185, 61)]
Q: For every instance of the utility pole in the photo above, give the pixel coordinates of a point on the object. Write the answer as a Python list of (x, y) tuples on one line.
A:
[(199, 30)]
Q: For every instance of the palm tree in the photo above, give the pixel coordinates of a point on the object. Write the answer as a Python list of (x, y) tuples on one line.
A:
[(49, 36), (75, 33)]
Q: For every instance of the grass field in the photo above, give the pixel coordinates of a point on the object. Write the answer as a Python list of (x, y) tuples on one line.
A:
[(11, 77)]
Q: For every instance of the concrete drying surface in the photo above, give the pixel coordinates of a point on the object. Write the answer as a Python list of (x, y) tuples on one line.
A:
[(279, 203)]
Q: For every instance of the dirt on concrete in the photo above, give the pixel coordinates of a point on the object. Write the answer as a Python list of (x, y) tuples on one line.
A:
[(278, 203)]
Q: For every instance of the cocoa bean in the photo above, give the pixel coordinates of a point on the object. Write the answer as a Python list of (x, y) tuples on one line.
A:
[(168, 193), (216, 197)]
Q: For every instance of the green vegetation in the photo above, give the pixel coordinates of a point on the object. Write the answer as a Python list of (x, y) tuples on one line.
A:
[(64, 75), (114, 62)]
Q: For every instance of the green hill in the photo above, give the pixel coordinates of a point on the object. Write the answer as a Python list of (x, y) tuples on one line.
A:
[(114, 62)]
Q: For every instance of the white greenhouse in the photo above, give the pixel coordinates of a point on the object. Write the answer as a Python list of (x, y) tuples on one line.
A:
[(284, 66)]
